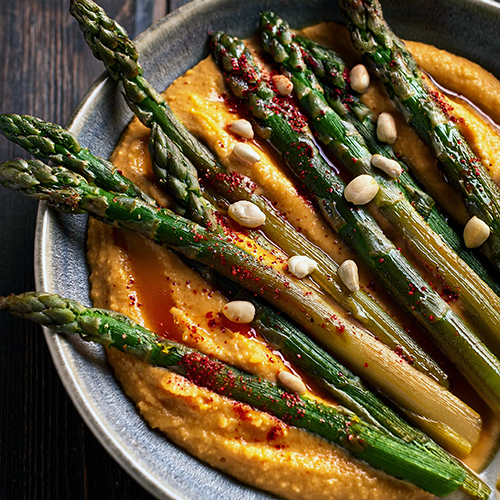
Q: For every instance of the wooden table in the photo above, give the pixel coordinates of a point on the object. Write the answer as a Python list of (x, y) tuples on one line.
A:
[(46, 451)]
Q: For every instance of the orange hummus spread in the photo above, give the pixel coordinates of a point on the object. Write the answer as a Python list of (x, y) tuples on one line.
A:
[(137, 277)]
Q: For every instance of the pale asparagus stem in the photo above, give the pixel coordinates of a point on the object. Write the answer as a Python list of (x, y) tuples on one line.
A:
[(161, 149), (389, 58), (70, 192), (337, 379), (27, 131), (358, 303), (481, 304), (434, 472), (109, 43)]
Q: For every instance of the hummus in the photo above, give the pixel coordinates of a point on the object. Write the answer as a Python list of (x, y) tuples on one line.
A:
[(132, 275)]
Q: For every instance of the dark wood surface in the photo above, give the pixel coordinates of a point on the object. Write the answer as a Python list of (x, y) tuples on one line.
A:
[(46, 451)]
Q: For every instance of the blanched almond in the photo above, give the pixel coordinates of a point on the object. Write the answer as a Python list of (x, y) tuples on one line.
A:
[(391, 167), (360, 79), (246, 214), (246, 153), (283, 85), (239, 311), (386, 128), (348, 272), (301, 266), (292, 383), (361, 190), (476, 232), (242, 128)]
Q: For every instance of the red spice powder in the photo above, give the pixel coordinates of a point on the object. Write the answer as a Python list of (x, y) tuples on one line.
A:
[(242, 411), (204, 371), (443, 104), (232, 179), (274, 433), (287, 106)]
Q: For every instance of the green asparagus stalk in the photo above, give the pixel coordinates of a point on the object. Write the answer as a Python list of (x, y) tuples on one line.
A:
[(297, 347), (388, 57), (437, 474), (453, 422), (479, 301), (354, 224), (109, 43), (332, 73), (359, 303), (346, 387), (45, 140), (180, 179)]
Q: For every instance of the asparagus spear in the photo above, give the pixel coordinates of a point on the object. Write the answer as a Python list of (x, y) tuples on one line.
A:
[(343, 384), (337, 379), (159, 143), (332, 73), (479, 301), (180, 179), (354, 224), (109, 43), (45, 140), (436, 474), (452, 421), (388, 57), (346, 387)]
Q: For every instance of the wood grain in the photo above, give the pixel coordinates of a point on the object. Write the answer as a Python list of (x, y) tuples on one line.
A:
[(46, 451)]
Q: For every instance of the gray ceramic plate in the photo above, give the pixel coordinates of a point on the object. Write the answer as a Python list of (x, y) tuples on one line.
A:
[(168, 49)]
